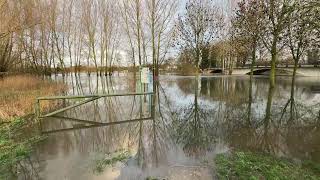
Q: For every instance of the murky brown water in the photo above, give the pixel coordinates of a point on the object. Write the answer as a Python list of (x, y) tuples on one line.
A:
[(195, 118)]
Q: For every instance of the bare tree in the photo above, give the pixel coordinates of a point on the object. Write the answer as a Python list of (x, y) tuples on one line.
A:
[(277, 15), (129, 28), (247, 26), (134, 21), (90, 20), (199, 26), (161, 13), (109, 32), (300, 34), (69, 29), (10, 24), (137, 4)]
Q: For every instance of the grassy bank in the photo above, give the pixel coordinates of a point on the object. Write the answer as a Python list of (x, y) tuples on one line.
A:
[(18, 94), (16, 141), (247, 165), (18, 130)]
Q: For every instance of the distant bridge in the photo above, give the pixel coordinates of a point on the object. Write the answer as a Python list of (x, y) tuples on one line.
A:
[(265, 70)]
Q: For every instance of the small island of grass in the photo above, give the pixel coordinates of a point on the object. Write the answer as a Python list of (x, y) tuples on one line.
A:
[(248, 165)]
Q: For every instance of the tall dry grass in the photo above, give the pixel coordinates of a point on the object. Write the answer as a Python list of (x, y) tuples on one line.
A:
[(18, 94)]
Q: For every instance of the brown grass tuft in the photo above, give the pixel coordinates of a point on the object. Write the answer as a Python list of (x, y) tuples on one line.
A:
[(18, 94)]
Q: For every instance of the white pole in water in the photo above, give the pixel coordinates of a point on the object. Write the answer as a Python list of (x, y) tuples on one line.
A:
[(140, 85), (222, 65)]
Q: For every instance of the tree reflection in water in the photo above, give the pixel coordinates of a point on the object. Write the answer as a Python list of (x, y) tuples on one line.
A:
[(244, 125), (192, 114), (192, 127)]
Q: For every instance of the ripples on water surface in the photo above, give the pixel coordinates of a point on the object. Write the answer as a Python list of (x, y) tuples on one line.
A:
[(195, 119)]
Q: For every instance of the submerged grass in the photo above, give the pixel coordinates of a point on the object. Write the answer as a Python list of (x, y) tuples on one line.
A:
[(152, 178), (15, 145), (18, 94), (248, 165), (110, 160)]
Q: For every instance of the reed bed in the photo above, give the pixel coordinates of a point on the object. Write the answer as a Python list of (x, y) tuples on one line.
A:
[(18, 94)]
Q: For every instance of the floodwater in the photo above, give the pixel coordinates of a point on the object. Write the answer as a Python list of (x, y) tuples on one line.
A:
[(194, 119)]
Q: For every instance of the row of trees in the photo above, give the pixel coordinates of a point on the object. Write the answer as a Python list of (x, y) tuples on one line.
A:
[(282, 25), (275, 27), (46, 35)]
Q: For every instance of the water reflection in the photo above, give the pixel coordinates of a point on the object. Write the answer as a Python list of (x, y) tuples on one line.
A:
[(192, 119), (192, 127), (259, 121)]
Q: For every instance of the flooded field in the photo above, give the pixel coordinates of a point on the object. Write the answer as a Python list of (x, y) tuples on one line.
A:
[(177, 133)]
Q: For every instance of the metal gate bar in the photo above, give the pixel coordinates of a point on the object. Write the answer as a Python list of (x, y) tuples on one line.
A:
[(76, 120), (69, 107), (97, 125), (92, 98)]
